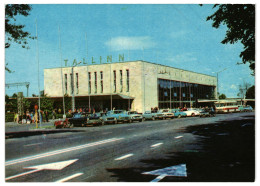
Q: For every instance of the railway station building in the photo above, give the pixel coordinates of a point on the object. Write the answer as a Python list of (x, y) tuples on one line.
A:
[(134, 85)]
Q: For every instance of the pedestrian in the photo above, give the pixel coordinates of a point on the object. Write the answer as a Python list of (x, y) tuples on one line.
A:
[(32, 118), (53, 114), (46, 116), (16, 117)]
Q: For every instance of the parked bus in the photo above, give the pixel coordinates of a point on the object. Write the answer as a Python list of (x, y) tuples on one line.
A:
[(228, 105)]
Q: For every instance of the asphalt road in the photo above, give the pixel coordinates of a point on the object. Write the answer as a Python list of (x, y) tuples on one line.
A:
[(220, 148)]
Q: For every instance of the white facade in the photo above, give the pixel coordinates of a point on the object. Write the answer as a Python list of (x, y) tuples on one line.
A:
[(142, 81)]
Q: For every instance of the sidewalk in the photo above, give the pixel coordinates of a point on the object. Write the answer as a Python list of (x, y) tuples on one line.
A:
[(14, 127)]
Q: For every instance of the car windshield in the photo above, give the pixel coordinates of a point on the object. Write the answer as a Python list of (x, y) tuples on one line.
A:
[(77, 116)]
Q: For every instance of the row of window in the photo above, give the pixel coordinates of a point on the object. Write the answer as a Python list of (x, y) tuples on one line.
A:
[(169, 90), (101, 84)]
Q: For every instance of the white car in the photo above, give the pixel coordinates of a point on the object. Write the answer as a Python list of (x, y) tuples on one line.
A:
[(192, 112), (166, 114), (135, 116)]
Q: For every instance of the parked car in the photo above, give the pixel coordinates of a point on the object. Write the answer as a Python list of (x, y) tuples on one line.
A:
[(158, 115), (178, 113), (62, 124), (108, 118), (247, 108), (207, 112), (94, 119), (135, 116), (79, 120), (147, 115), (118, 116), (166, 114), (192, 112)]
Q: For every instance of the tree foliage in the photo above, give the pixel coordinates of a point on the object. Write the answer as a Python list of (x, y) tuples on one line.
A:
[(243, 89), (222, 96), (46, 103), (240, 21), (250, 93), (15, 32)]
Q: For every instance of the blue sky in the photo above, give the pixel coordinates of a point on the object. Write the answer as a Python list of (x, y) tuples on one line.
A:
[(168, 34)]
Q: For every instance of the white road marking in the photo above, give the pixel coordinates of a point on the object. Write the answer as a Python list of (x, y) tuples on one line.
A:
[(49, 166), (130, 129), (157, 179), (32, 144), (52, 153), (178, 137), (22, 174), (124, 157), (69, 177), (156, 145)]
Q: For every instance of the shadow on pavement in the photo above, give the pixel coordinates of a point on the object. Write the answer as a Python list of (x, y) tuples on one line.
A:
[(22, 134), (227, 154)]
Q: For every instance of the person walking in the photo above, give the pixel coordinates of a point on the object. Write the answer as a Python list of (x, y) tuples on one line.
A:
[(46, 116)]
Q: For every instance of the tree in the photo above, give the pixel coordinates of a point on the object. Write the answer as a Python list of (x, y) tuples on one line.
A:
[(15, 33), (240, 21), (222, 96), (243, 89), (250, 93), (46, 103)]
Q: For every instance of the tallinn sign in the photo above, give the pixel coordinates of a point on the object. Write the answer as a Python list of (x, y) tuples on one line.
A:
[(100, 61)]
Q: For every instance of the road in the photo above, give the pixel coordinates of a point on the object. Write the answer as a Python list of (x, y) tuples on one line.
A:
[(208, 147)]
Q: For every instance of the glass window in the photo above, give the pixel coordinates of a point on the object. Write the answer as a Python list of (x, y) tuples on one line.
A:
[(95, 76), (66, 83), (127, 80), (89, 82), (121, 80), (114, 81), (101, 81), (71, 83), (77, 83)]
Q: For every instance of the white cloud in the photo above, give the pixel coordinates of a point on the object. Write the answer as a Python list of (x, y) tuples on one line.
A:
[(130, 43), (178, 34), (180, 58), (233, 86)]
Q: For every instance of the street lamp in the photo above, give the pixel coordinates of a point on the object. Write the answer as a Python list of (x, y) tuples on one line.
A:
[(217, 81)]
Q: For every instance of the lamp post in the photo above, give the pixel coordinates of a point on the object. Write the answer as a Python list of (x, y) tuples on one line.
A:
[(217, 81)]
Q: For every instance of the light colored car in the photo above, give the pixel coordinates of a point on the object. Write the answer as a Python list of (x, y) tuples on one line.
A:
[(247, 108), (178, 113), (119, 115), (135, 116), (108, 118), (166, 113), (192, 112), (147, 115)]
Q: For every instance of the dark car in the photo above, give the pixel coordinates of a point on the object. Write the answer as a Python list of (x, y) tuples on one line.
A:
[(79, 120), (208, 112)]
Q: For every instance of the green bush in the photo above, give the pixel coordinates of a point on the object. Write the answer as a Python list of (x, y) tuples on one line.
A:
[(9, 117), (61, 116)]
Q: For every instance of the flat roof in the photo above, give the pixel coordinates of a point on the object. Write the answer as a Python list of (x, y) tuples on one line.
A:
[(133, 62)]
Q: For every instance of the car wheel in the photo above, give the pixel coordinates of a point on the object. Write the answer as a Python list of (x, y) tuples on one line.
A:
[(192, 114)]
